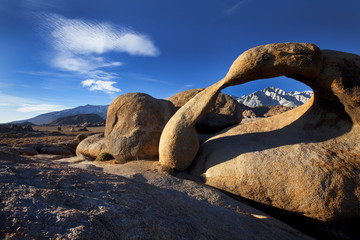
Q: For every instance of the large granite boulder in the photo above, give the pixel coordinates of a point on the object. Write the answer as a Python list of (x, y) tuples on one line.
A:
[(226, 111), (306, 160), (92, 146), (134, 124)]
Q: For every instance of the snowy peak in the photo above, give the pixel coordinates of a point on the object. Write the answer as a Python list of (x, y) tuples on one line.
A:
[(275, 96)]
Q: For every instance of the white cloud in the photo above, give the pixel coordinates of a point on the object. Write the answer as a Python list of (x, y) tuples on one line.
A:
[(98, 74), (100, 85), (89, 37), (148, 79), (10, 100), (70, 62), (40, 108), (79, 46), (19, 108), (27, 104)]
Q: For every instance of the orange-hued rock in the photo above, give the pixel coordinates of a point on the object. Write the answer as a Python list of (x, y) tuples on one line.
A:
[(179, 144), (92, 146), (225, 112), (134, 124), (306, 160)]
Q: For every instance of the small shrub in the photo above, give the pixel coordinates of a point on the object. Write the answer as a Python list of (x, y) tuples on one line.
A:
[(104, 156)]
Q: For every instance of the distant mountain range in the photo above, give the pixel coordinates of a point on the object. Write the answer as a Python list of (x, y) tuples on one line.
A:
[(47, 118), (272, 96), (90, 118)]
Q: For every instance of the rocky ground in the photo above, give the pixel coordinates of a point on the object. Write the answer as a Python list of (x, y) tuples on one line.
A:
[(44, 139), (67, 197), (43, 197), (45, 134)]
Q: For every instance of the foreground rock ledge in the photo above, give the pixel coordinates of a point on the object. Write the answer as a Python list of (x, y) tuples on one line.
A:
[(47, 200), (306, 160)]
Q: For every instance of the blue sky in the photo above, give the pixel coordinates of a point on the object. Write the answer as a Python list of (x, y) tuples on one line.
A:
[(65, 53)]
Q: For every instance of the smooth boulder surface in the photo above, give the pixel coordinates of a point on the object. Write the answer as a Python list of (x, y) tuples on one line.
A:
[(306, 160), (226, 111), (43, 199), (92, 146), (134, 124), (179, 141)]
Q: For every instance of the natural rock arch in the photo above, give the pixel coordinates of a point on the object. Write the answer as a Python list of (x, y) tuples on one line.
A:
[(306, 160), (178, 143)]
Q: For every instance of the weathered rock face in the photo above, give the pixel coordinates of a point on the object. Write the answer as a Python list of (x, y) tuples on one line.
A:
[(224, 113), (306, 160), (134, 125), (92, 146), (315, 173), (179, 144), (43, 199), (80, 137)]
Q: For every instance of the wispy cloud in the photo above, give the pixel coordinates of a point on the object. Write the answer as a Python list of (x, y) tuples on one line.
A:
[(80, 36), (79, 46), (145, 78), (70, 62), (99, 85), (47, 74), (40, 108), (27, 104), (232, 7), (14, 100), (98, 74)]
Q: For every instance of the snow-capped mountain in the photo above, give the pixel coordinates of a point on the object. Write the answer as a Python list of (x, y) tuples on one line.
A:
[(275, 96), (269, 96), (47, 118)]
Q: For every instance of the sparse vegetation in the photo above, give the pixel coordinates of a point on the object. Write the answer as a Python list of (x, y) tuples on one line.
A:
[(104, 156)]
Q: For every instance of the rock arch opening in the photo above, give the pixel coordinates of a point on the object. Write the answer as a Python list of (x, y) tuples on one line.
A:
[(305, 160), (303, 62), (288, 86)]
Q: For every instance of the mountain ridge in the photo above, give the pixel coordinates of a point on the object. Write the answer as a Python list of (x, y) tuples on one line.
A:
[(275, 96), (269, 96), (47, 118), (90, 118)]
